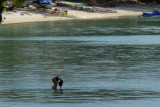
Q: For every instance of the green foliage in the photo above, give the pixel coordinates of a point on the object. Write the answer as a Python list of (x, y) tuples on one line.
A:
[(145, 1), (19, 3), (150, 1)]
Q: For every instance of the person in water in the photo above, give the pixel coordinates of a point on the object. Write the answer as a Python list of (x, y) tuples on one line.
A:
[(56, 80)]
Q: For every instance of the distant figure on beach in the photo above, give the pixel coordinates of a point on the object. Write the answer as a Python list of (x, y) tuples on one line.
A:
[(56, 80)]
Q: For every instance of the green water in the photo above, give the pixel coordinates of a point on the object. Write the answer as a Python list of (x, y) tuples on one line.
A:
[(111, 63)]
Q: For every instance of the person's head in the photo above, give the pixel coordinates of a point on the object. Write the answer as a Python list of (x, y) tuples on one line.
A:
[(60, 82), (56, 80)]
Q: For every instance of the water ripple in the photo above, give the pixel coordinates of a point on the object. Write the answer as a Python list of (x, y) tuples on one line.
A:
[(137, 40)]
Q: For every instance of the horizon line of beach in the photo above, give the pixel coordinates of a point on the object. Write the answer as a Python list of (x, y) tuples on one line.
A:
[(21, 15)]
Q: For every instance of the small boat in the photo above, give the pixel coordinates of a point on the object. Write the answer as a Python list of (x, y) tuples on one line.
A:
[(155, 13), (43, 4)]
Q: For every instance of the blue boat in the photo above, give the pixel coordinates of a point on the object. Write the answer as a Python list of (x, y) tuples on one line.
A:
[(43, 4), (155, 13)]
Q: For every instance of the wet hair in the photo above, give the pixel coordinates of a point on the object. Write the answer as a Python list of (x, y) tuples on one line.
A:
[(60, 82), (57, 79)]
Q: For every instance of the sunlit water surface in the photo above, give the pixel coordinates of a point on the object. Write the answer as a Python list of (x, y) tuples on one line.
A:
[(104, 63)]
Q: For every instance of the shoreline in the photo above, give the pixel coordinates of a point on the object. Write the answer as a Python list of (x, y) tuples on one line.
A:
[(21, 15)]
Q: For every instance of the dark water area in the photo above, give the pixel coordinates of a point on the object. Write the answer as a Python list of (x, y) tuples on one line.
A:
[(104, 63)]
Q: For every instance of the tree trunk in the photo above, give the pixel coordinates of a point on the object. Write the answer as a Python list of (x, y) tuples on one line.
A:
[(1, 9)]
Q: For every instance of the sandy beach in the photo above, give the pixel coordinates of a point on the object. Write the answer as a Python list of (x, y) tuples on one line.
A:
[(19, 15)]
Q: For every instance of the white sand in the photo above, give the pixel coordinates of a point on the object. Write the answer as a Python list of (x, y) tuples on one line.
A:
[(31, 15), (21, 15)]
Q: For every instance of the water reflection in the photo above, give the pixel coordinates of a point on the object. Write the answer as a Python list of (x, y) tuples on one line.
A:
[(119, 26)]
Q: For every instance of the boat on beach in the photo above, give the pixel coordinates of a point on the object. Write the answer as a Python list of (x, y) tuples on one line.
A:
[(153, 14), (43, 4)]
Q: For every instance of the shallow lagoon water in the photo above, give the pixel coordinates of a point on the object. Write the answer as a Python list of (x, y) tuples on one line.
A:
[(111, 63)]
